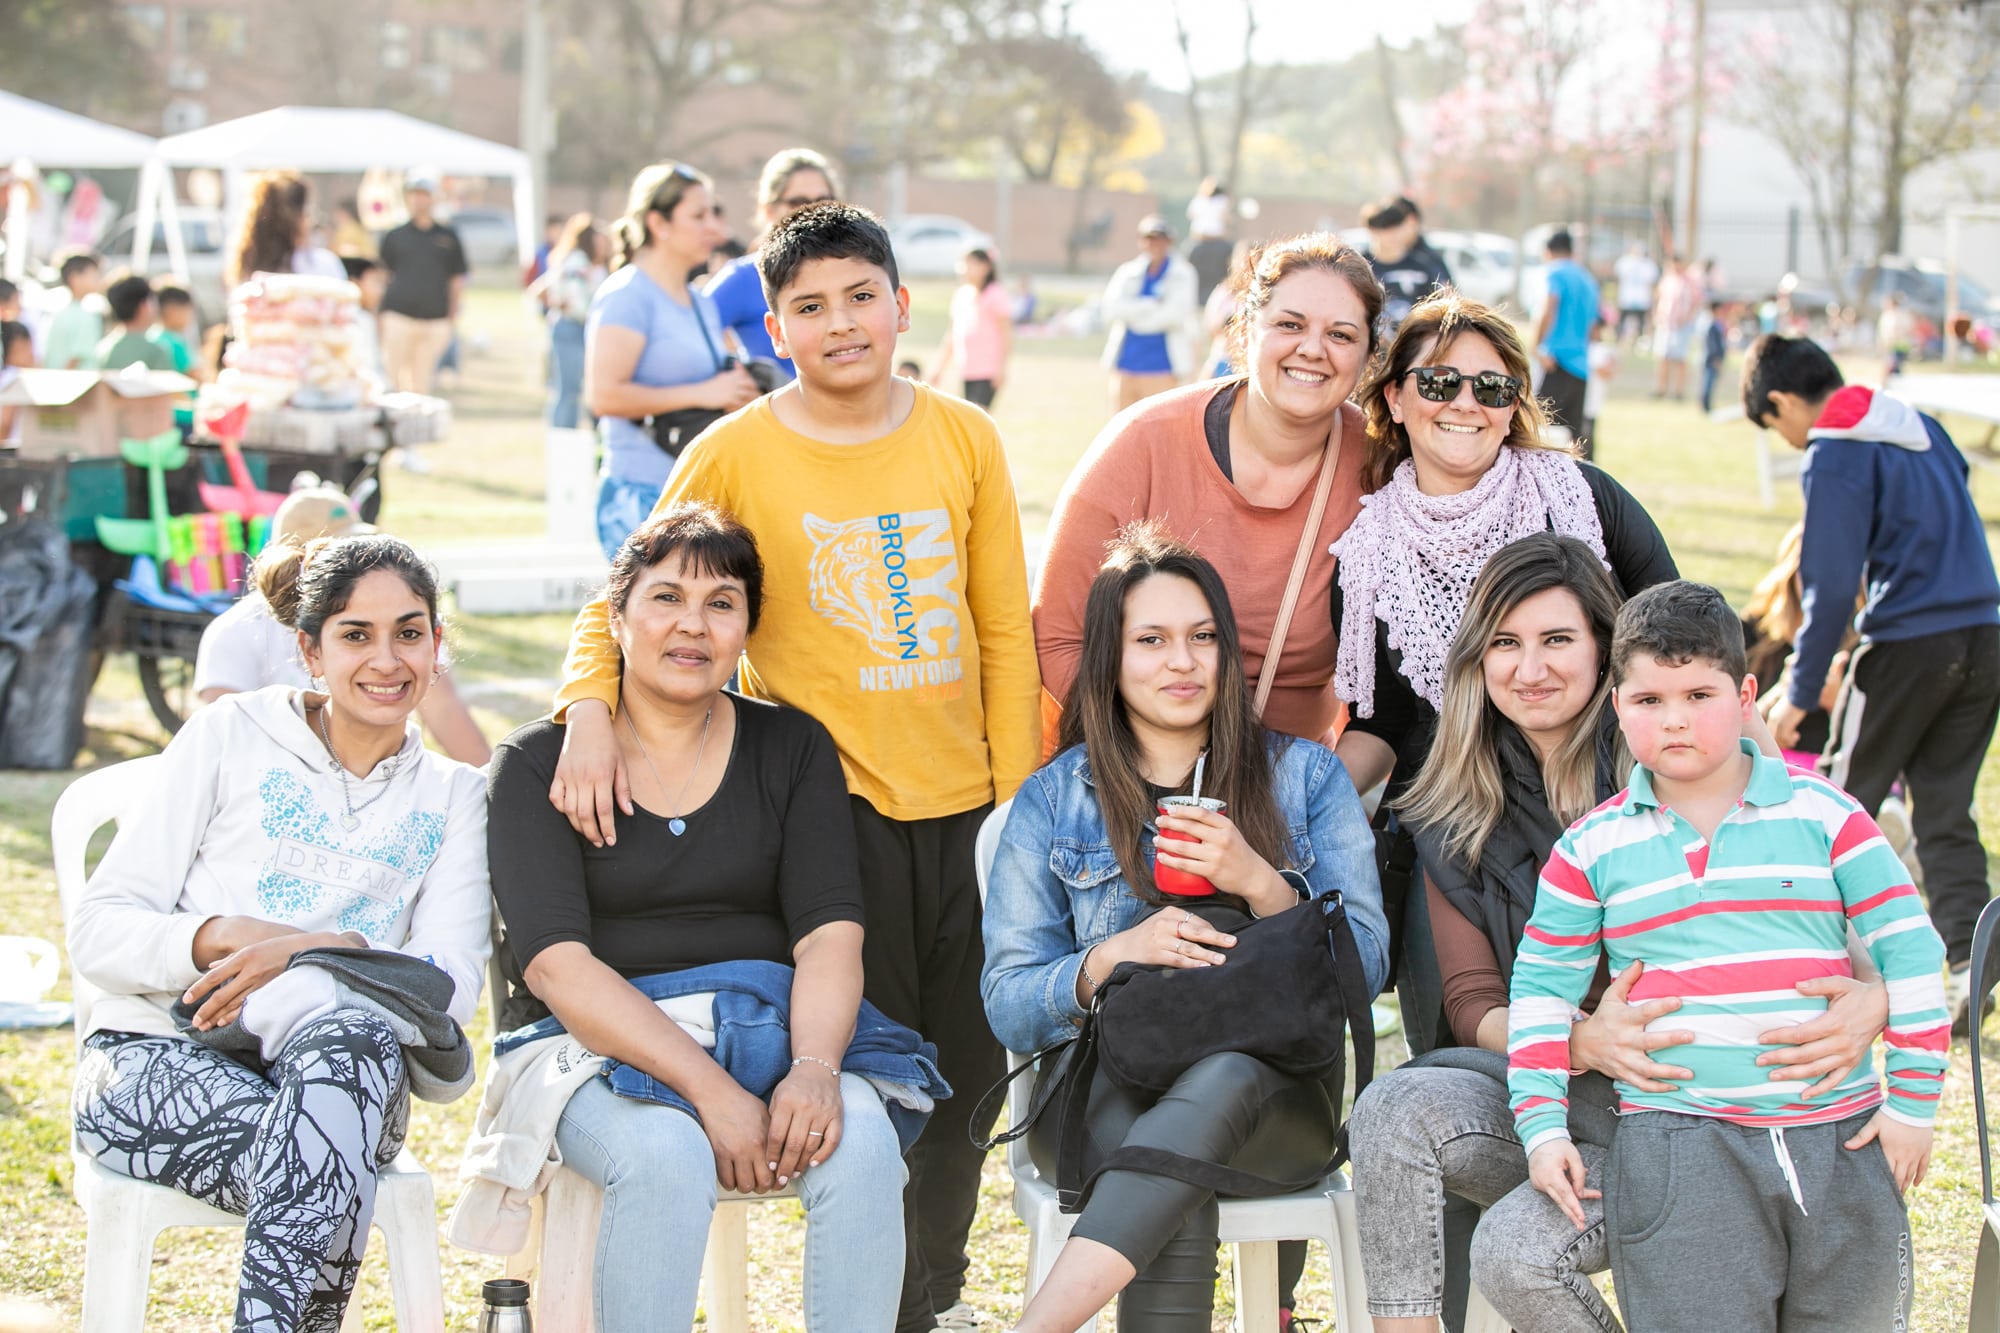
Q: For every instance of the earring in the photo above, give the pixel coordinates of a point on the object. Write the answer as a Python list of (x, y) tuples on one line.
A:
[(436, 676)]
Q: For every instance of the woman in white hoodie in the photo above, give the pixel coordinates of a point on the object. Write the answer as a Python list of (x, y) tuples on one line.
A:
[(285, 820)]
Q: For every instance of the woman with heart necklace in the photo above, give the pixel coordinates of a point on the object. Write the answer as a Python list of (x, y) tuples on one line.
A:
[(1098, 843), (736, 859), (285, 821)]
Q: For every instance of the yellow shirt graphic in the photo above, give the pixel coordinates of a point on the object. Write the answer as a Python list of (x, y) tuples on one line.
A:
[(895, 600)]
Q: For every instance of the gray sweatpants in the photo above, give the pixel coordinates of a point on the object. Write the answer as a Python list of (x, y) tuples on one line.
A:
[(1715, 1225)]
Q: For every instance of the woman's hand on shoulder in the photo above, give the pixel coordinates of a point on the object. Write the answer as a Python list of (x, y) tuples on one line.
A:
[(591, 782), (230, 980), (1222, 857), (805, 1120), (1614, 1040)]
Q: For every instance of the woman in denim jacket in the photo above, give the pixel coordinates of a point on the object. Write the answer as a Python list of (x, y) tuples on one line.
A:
[(1073, 895)]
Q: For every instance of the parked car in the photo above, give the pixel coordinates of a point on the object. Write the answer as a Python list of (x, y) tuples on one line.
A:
[(928, 245), (204, 236), (1481, 263), (487, 233), (1922, 285)]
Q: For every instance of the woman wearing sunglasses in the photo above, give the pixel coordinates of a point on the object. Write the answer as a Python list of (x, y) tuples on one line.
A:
[(794, 178), (1459, 467)]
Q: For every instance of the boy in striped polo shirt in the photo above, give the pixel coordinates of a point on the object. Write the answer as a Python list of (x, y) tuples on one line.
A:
[(1736, 1200)]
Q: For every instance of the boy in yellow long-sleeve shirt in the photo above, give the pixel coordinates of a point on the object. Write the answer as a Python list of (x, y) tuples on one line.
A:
[(896, 612)]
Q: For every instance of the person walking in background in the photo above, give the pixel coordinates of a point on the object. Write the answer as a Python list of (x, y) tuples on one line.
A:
[(1714, 351), (654, 370), (276, 236), (793, 179), (1562, 337), (427, 271), (980, 337), (1154, 318), (1636, 273), (131, 300), (576, 267), (552, 229), (77, 325), (1675, 305), (1895, 332), (1603, 370), (1408, 269), (1208, 215), (1888, 511)]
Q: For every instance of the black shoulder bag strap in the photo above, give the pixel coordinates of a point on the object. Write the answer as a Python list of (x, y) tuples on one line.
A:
[(1073, 1189)]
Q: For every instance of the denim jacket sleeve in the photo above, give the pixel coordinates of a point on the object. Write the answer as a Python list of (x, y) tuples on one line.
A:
[(1343, 848), (1032, 958)]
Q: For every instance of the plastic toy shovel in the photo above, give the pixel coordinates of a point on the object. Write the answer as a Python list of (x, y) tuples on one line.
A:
[(241, 496), (146, 536)]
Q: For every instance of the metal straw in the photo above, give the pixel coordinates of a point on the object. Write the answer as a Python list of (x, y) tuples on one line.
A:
[(1199, 760)]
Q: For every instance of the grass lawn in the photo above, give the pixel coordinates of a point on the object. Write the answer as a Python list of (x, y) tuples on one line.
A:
[(1697, 478)]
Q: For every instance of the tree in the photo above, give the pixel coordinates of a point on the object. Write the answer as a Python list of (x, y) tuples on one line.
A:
[(76, 54), (1861, 95), (1247, 92)]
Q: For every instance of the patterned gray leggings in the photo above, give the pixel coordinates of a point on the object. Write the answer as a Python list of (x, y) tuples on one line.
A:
[(293, 1150)]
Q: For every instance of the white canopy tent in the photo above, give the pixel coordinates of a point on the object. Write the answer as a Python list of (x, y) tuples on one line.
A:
[(330, 139), (34, 134)]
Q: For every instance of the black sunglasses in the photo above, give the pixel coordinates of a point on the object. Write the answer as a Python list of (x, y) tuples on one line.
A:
[(798, 201), (1439, 384)]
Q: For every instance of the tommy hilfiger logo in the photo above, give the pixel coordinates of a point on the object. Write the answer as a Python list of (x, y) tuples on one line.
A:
[(1785, 884)]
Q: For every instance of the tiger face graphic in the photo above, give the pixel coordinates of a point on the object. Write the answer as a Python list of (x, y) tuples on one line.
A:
[(881, 576)]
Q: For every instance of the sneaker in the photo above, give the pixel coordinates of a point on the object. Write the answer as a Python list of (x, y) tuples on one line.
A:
[(957, 1319), (1894, 821)]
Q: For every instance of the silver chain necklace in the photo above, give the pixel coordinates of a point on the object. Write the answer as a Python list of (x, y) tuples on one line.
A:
[(675, 824), (352, 819)]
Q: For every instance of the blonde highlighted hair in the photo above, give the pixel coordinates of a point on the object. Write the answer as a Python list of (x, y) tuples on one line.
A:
[(1458, 791)]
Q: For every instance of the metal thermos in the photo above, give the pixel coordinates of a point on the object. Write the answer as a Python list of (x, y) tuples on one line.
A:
[(506, 1307)]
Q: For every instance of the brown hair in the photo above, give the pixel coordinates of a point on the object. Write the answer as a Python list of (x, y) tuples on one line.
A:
[(1239, 768), (709, 539), (278, 202), (1436, 323), (576, 234), (657, 189), (307, 583), (1271, 263)]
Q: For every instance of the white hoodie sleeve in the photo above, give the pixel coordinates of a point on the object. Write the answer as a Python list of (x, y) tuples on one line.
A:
[(451, 921), (127, 935)]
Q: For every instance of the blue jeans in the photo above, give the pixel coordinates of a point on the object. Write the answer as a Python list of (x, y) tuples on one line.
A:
[(621, 507), (657, 1172), (565, 372)]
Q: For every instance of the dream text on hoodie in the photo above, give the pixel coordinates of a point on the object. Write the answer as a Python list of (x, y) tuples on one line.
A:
[(1886, 502), (246, 820)]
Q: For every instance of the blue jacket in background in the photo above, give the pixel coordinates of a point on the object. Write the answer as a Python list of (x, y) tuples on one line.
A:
[(753, 1040), (1056, 889), (738, 293), (1886, 502)]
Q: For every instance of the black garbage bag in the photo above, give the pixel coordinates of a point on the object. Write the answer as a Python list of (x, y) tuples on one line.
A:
[(47, 620)]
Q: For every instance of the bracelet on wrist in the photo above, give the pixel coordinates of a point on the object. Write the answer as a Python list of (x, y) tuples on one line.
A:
[(1083, 966), (798, 1060)]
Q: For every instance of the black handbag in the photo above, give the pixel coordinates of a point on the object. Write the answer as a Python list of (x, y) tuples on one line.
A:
[(676, 430), (1282, 997)]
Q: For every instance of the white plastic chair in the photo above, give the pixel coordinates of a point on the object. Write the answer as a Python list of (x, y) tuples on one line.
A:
[(124, 1215), (1985, 1313), (1252, 1226), (563, 1247)]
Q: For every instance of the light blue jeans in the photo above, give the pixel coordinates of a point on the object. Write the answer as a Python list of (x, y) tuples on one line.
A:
[(621, 507), (565, 372), (657, 1172)]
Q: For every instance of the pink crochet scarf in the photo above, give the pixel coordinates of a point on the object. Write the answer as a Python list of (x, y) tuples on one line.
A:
[(1409, 559)]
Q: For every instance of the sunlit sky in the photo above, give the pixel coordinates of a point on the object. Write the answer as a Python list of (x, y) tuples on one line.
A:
[(1138, 35)]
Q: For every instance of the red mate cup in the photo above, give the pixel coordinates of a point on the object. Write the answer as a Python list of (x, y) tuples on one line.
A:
[(1170, 879)]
